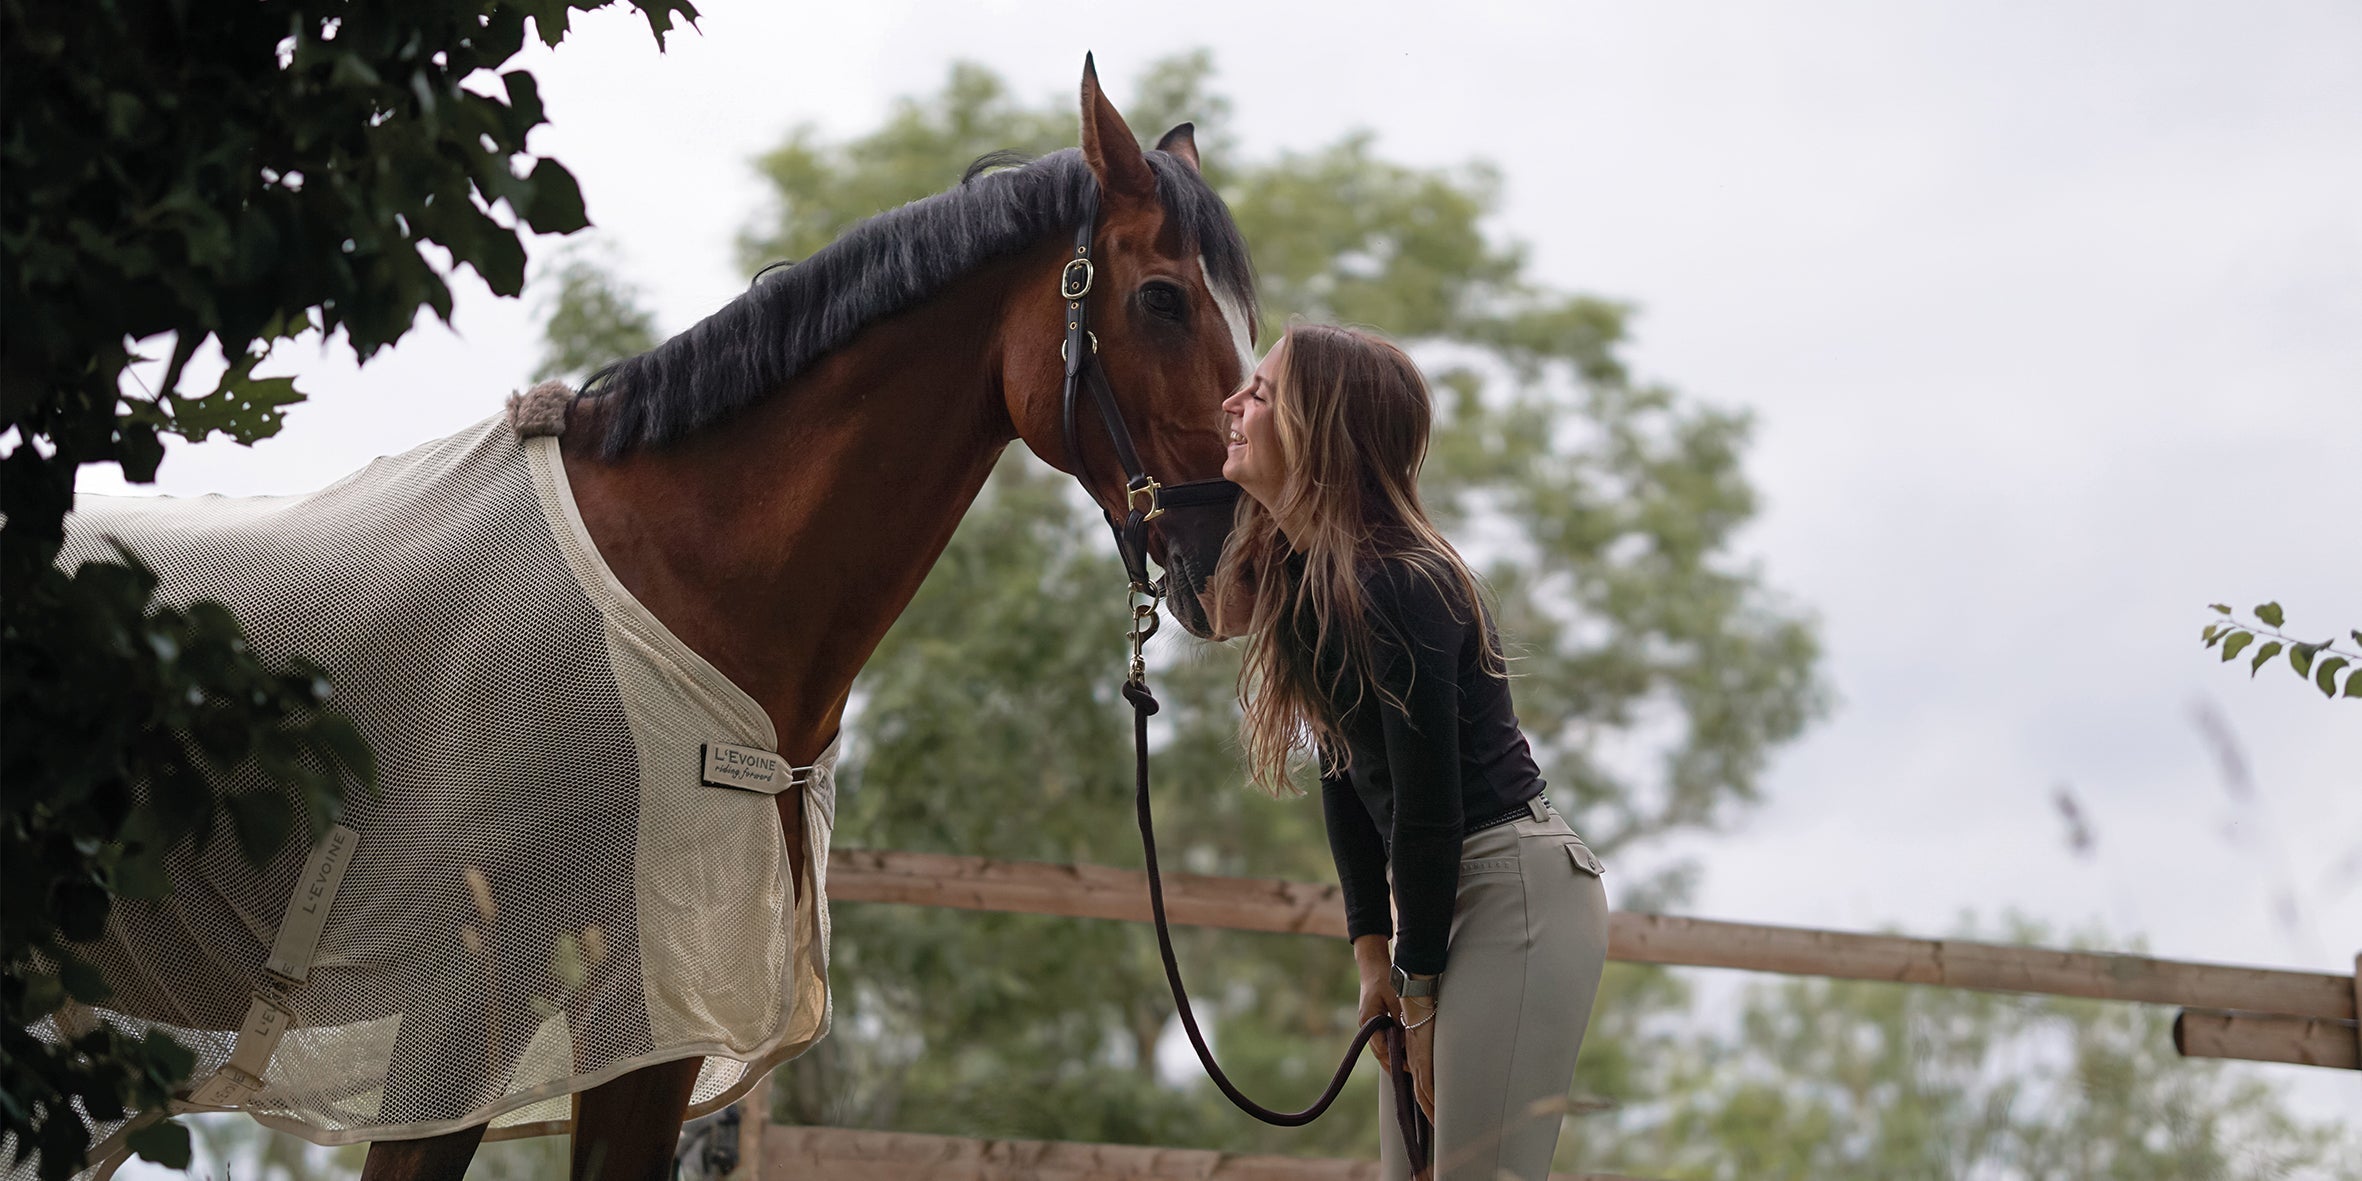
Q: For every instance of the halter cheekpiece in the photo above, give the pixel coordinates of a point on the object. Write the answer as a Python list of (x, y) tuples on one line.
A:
[(1145, 499)]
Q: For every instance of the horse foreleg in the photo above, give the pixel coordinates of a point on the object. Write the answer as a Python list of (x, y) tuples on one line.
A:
[(436, 1158), (628, 1129)]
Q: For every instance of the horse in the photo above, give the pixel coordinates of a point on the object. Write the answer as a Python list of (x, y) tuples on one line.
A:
[(771, 487)]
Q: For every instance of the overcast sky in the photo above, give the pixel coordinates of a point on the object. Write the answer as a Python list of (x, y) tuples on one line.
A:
[(2050, 316)]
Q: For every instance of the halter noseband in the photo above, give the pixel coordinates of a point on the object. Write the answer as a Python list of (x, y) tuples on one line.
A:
[(1144, 498)]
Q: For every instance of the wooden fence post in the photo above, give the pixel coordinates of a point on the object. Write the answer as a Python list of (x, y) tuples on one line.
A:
[(754, 1116)]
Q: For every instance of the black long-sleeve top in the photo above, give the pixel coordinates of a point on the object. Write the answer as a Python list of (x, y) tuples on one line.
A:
[(1450, 756)]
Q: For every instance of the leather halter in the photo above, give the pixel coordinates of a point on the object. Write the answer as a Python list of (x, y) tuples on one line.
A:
[(1144, 498)]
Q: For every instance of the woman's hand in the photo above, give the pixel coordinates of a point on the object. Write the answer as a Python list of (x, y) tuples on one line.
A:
[(1377, 990), (1377, 996)]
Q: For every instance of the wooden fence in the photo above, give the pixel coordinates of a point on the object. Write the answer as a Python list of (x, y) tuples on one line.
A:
[(843, 1154), (2227, 1011), (2264, 1014)]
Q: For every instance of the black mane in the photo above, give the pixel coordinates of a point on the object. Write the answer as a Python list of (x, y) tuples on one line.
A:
[(885, 265)]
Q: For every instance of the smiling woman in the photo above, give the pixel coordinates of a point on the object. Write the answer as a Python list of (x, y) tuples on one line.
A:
[(1370, 645)]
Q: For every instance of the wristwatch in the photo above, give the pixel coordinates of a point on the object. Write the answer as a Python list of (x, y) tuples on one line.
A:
[(1406, 984)]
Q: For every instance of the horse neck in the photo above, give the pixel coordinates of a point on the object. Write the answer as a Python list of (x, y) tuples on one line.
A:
[(780, 545)]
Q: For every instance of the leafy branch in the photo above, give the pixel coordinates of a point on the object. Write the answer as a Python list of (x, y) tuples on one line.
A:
[(2319, 663)]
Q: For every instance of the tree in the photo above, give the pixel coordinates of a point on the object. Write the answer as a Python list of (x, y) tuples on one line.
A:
[(592, 318), (183, 180)]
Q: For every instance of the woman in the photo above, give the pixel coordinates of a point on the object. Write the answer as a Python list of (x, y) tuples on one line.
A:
[(1368, 644)]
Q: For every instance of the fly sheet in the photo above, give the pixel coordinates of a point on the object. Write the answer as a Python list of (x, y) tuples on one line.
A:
[(573, 868)]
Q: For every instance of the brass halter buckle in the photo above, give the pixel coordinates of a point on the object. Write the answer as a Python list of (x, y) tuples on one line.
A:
[(1075, 281), (1149, 488)]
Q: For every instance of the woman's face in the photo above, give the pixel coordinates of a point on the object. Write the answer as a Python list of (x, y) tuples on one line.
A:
[(1251, 417)]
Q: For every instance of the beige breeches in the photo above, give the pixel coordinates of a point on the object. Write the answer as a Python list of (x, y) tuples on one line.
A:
[(1529, 939)]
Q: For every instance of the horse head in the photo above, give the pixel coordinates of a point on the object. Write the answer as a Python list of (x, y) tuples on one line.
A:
[(1171, 315)]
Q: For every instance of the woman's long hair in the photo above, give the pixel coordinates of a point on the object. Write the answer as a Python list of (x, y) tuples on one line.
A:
[(1352, 412)]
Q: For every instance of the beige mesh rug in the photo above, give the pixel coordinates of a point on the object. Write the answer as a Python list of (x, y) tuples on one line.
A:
[(575, 865)]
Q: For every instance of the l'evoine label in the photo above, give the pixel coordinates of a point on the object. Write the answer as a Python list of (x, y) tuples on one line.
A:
[(745, 768)]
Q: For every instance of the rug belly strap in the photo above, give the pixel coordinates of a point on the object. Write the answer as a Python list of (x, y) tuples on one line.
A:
[(267, 1016)]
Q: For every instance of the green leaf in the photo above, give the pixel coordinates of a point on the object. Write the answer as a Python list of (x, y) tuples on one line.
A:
[(141, 875), (2326, 675), (83, 981), (550, 18), (139, 871), (2354, 683), (2209, 634), (260, 820), (81, 910), (335, 733), (2237, 641), (2265, 653), (660, 16), (524, 100), (139, 451), (169, 1061), (245, 408), (166, 1143), (43, 992), (557, 200), (2219, 609), (2269, 613), (2300, 658)]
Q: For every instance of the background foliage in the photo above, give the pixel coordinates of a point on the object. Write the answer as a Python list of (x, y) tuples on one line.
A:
[(589, 317), (2317, 661), (184, 180)]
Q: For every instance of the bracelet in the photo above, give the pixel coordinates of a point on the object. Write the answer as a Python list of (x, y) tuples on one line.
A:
[(1423, 1021)]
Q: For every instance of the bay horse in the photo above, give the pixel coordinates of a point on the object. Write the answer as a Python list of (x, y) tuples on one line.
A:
[(773, 485), (874, 385)]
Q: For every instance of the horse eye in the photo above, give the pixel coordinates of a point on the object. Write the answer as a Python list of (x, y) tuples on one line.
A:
[(1163, 299)]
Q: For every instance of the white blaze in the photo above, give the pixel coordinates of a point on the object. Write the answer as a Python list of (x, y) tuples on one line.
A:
[(1241, 332)]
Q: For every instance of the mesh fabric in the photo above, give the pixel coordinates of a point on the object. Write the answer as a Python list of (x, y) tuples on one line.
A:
[(544, 895)]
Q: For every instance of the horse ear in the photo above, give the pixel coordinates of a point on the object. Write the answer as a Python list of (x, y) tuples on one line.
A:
[(1181, 141), (1108, 146)]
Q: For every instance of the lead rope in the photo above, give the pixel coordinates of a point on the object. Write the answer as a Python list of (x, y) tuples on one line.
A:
[(1418, 1135)]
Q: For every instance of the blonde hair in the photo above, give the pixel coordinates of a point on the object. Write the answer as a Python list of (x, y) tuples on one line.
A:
[(1352, 413)]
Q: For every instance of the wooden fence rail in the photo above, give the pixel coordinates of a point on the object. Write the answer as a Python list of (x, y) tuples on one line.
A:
[(1255, 904), (844, 1154), (2267, 1037)]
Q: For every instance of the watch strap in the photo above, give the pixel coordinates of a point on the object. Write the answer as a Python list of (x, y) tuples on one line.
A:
[(1411, 986)]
